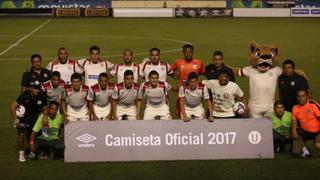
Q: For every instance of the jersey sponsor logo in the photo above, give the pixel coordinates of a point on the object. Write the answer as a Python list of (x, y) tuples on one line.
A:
[(93, 76)]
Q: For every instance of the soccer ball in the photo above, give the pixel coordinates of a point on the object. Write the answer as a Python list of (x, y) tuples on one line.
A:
[(238, 108), (20, 111)]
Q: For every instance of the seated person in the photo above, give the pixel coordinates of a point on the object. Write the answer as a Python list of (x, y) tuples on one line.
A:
[(307, 113), (281, 124), (49, 134)]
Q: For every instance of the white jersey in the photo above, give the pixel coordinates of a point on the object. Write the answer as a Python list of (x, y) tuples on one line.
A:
[(92, 70), (126, 97), (119, 69), (154, 96), (162, 68), (76, 99), (194, 97), (262, 85), (223, 97), (99, 96), (53, 94), (65, 70)]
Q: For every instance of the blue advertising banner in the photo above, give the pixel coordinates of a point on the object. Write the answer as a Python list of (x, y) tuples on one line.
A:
[(247, 3), (9, 4), (307, 3)]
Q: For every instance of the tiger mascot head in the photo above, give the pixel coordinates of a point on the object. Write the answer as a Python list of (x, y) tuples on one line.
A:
[(263, 57)]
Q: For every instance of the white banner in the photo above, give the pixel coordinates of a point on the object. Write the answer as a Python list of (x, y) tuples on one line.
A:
[(261, 12), (168, 140), (143, 12)]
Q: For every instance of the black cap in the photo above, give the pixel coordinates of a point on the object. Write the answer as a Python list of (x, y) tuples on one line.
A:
[(35, 84)]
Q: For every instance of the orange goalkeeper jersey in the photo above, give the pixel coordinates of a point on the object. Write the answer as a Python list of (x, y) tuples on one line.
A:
[(308, 115), (186, 68)]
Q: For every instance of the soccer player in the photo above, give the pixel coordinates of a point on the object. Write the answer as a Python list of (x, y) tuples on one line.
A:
[(54, 88), (35, 102), (281, 124), (119, 69), (289, 82), (217, 63), (224, 93), (49, 138), (64, 65), (154, 63), (191, 96), (307, 113), (94, 66), (35, 74), (126, 105), (74, 101), (182, 67), (99, 98), (188, 64), (155, 92)]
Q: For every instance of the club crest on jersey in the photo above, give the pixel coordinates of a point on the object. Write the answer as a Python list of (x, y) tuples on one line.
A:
[(292, 83), (39, 102), (226, 95), (69, 68), (162, 69), (195, 66), (45, 75)]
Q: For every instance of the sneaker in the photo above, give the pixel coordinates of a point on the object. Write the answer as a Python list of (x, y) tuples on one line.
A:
[(31, 155), (21, 157), (305, 155)]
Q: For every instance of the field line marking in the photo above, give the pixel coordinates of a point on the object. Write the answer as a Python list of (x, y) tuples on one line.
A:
[(25, 37)]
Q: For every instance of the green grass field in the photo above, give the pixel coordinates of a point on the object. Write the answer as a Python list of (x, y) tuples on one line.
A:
[(299, 40)]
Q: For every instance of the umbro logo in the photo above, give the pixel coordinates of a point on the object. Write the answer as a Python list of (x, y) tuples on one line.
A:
[(86, 138)]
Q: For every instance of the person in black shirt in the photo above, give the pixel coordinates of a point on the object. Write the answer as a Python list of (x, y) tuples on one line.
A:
[(289, 83), (216, 65), (35, 73), (34, 102)]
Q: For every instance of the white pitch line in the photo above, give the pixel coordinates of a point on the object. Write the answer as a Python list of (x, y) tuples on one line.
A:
[(25, 37)]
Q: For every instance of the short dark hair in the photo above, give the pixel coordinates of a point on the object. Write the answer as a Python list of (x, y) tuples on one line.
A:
[(276, 103), (61, 48), (103, 75), (76, 76), (223, 71), (305, 90), (289, 61), (154, 49), (187, 46), (153, 73), (54, 103), (128, 73), (94, 48), (35, 56), (55, 74), (128, 50), (218, 53), (192, 75)]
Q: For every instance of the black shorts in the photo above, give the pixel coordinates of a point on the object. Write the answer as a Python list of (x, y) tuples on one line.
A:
[(26, 124), (305, 135)]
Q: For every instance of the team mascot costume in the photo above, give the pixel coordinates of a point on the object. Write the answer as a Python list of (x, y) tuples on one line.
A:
[(263, 75)]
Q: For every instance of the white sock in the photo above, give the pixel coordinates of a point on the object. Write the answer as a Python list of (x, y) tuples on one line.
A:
[(305, 150), (21, 153)]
